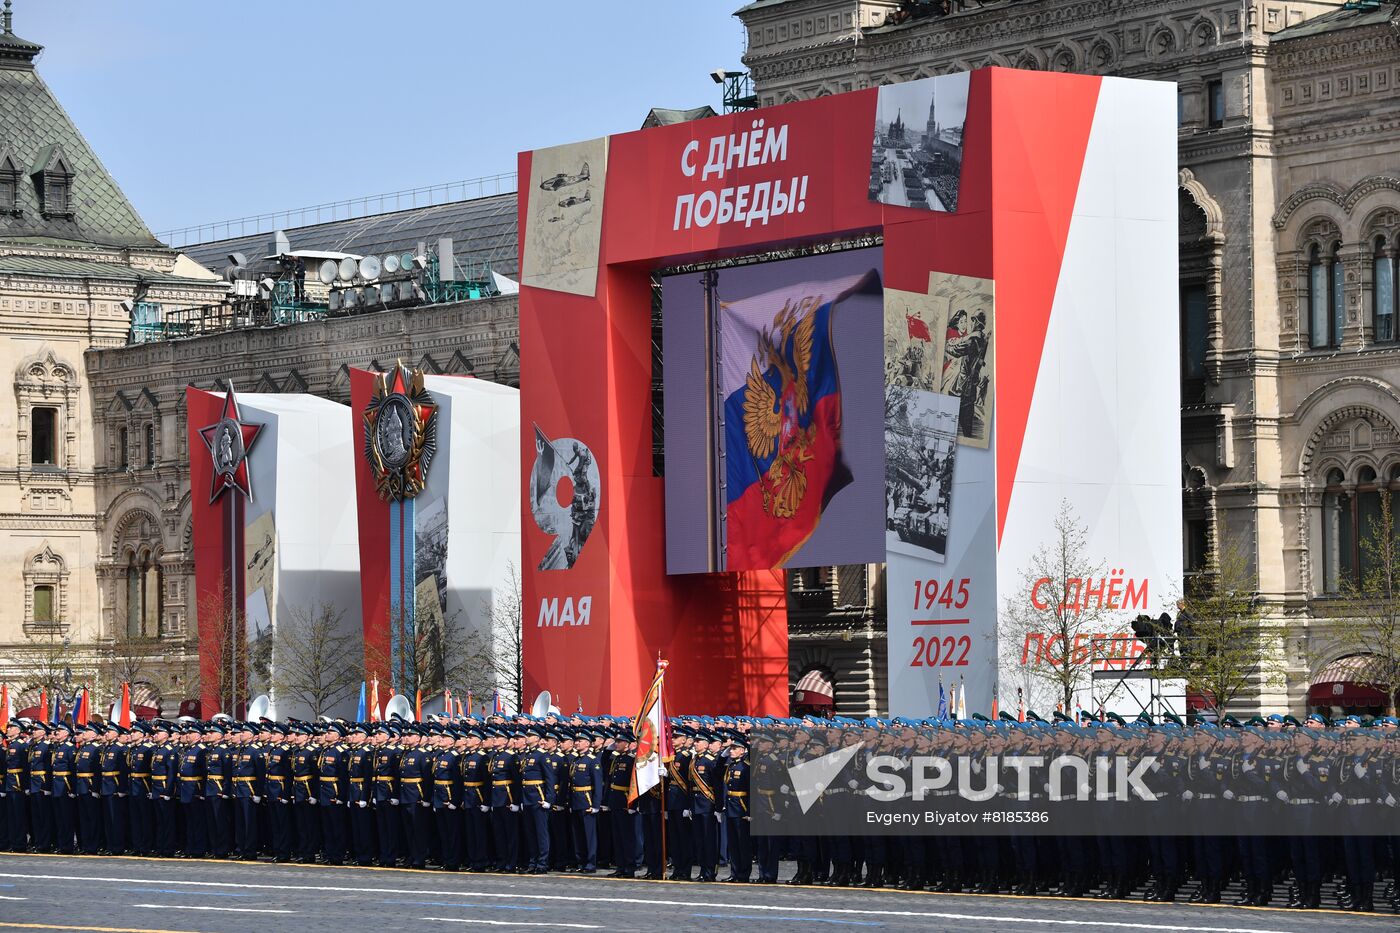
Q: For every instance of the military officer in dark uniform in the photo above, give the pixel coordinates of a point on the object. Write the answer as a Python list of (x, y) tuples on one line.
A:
[(277, 792), (415, 774), (621, 815), (332, 794), (218, 790), (361, 776), (537, 787), (447, 798), (140, 831), (40, 791), (62, 754), (680, 834), (114, 783), (706, 782), (249, 789), (192, 801), (475, 767), (736, 813), (306, 813), (384, 794), (86, 785), (14, 785), (165, 790), (585, 796), (505, 805)]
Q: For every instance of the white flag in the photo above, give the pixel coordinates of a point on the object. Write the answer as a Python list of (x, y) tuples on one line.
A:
[(653, 731)]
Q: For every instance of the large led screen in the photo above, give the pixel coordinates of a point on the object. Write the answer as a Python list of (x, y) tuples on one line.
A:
[(774, 423)]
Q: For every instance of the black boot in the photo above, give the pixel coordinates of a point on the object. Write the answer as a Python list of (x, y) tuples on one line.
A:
[(1246, 898), (874, 878), (803, 876), (1296, 896), (1110, 888), (1266, 894)]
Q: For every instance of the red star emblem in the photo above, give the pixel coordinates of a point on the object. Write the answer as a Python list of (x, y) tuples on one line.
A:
[(229, 440)]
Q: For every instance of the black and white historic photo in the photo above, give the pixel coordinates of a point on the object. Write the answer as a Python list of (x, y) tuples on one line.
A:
[(967, 351), (917, 148), (920, 444)]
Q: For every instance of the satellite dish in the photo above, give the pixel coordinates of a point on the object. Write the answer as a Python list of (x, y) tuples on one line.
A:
[(405, 261), (260, 708), (326, 274), (348, 268), (398, 708), (541, 706), (391, 264), (369, 267)]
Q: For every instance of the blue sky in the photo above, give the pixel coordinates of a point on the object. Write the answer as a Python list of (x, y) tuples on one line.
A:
[(206, 111)]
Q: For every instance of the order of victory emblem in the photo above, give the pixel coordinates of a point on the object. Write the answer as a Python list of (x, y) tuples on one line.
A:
[(400, 433)]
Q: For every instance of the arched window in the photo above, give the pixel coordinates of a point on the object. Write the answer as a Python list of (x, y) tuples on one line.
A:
[(150, 445), (1326, 296), (133, 598), (1317, 299), (1337, 533), (123, 445), (1353, 526), (1337, 294), (1383, 295)]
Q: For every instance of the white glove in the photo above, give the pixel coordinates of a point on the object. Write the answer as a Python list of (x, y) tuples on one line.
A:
[(515, 808), (604, 809), (592, 810), (451, 806), (1282, 795), (1229, 795), (1247, 766), (361, 804), (719, 817), (1335, 798), (1359, 769), (1390, 800), (631, 811), (560, 807), (123, 795), (776, 817), (1303, 766), (1187, 795), (485, 808), (424, 803), (685, 814), (257, 799)]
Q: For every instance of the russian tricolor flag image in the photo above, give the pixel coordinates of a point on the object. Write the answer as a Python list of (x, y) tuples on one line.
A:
[(781, 386)]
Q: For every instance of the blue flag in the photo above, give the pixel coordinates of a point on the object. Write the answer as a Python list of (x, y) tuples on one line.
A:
[(942, 702), (360, 712)]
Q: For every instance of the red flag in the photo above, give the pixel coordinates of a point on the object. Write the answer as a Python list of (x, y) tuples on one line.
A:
[(4, 707), (124, 719), (447, 702), (918, 330), (44, 705), (418, 705), (374, 701), (1020, 705), (82, 717), (994, 704)]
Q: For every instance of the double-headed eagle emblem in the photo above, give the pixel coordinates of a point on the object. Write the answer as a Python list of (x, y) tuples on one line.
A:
[(774, 417), (400, 433)]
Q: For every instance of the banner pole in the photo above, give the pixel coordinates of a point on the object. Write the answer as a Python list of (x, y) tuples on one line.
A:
[(664, 817)]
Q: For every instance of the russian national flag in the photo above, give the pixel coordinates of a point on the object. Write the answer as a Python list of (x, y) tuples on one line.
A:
[(782, 417)]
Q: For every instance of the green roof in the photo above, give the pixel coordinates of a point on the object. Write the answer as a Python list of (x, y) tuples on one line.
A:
[(33, 125), (88, 269), (1350, 16)]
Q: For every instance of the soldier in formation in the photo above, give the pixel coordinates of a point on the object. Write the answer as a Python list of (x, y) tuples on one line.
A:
[(521, 794)]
